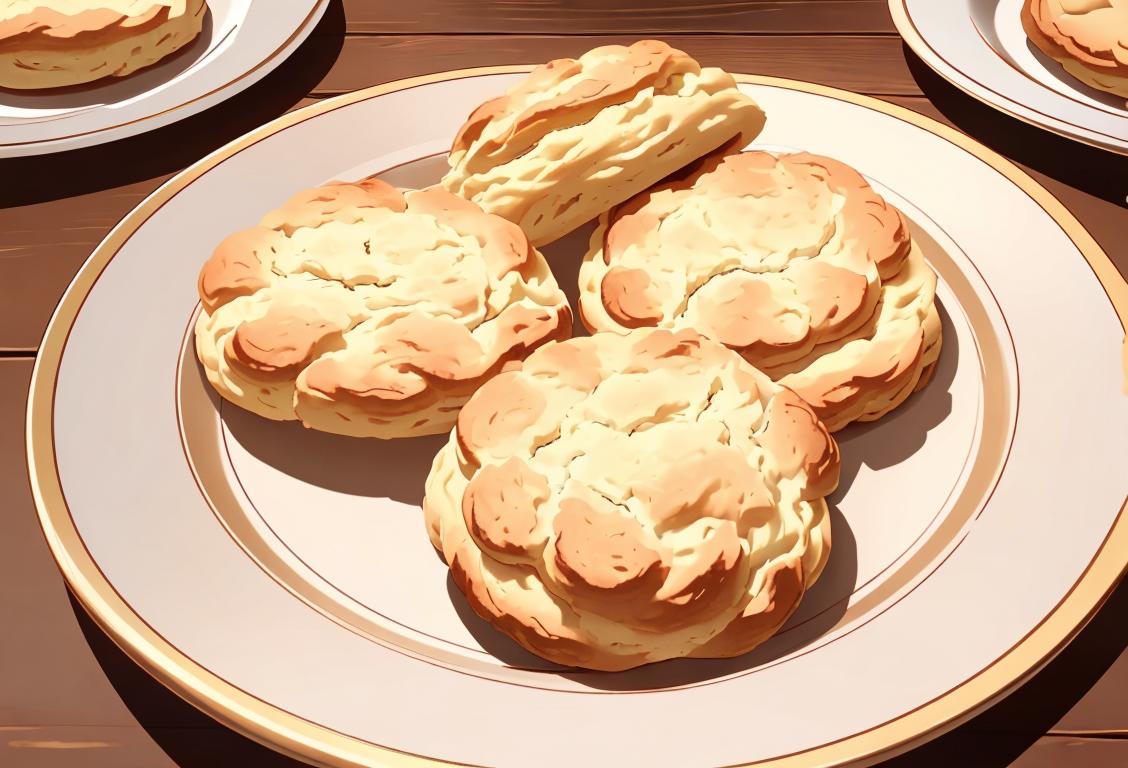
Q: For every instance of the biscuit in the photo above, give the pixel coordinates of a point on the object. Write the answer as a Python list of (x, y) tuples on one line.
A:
[(578, 136), (365, 310), (624, 499), (55, 43), (1089, 38), (793, 260)]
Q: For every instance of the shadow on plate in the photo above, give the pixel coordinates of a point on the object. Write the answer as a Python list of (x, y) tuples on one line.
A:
[(901, 433), (116, 90), (392, 469), (173, 147), (1092, 170), (1069, 82), (493, 642), (565, 256), (832, 590)]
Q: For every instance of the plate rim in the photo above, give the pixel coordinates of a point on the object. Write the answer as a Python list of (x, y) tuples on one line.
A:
[(301, 738), (189, 107), (908, 31)]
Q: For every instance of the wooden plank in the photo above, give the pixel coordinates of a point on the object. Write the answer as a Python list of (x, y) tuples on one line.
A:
[(41, 248), (44, 242), (55, 208), (87, 746), (636, 17), (864, 63), (50, 675), (1104, 709), (1057, 751)]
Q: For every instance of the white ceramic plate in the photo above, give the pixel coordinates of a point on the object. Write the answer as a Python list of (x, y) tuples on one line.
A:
[(241, 42), (980, 47), (281, 579)]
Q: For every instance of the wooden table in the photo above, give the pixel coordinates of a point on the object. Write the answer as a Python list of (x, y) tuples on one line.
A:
[(69, 697)]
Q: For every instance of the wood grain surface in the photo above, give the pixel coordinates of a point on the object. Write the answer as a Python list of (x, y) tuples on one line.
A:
[(594, 17), (863, 63), (69, 697)]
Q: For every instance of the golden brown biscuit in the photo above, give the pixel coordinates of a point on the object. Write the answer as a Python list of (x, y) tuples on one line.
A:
[(54, 43), (578, 136), (624, 499), (794, 261), (1089, 38), (367, 311)]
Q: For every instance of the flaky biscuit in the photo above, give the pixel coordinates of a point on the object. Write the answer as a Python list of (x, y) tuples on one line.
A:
[(1089, 38), (364, 310), (55, 43), (578, 136), (624, 499), (792, 260)]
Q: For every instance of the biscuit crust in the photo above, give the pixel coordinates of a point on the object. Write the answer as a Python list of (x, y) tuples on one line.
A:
[(57, 43), (1089, 38), (364, 310), (624, 499), (580, 135), (794, 261)]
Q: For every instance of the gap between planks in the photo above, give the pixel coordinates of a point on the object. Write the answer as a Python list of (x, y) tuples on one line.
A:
[(657, 33)]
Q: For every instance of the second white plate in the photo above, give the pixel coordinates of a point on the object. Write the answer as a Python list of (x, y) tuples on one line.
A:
[(241, 42), (980, 47)]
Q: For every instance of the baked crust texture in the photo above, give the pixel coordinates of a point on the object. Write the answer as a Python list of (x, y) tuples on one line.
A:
[(1089, 38), (365, 310), (624, 499), (578, 136), (792, 260), (58, 43)]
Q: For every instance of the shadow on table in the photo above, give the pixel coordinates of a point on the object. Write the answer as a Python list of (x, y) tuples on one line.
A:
[(165, 150), (1100, 173), (995, 737), (998, 736), (188, 736)]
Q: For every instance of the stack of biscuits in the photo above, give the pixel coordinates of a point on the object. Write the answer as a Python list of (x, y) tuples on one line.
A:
[(654, 490)]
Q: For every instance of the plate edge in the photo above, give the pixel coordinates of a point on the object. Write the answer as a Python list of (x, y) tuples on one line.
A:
[(301, 738), (909, 34), (193, 106)]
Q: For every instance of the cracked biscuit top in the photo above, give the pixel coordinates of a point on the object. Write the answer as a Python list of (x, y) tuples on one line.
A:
[(577, 136), (1089, 38), (82, 23), (365, 310), (794, 261), (624, 499), (56, 43)]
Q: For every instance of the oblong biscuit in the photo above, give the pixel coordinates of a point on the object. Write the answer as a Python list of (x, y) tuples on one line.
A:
[(578, 136)]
